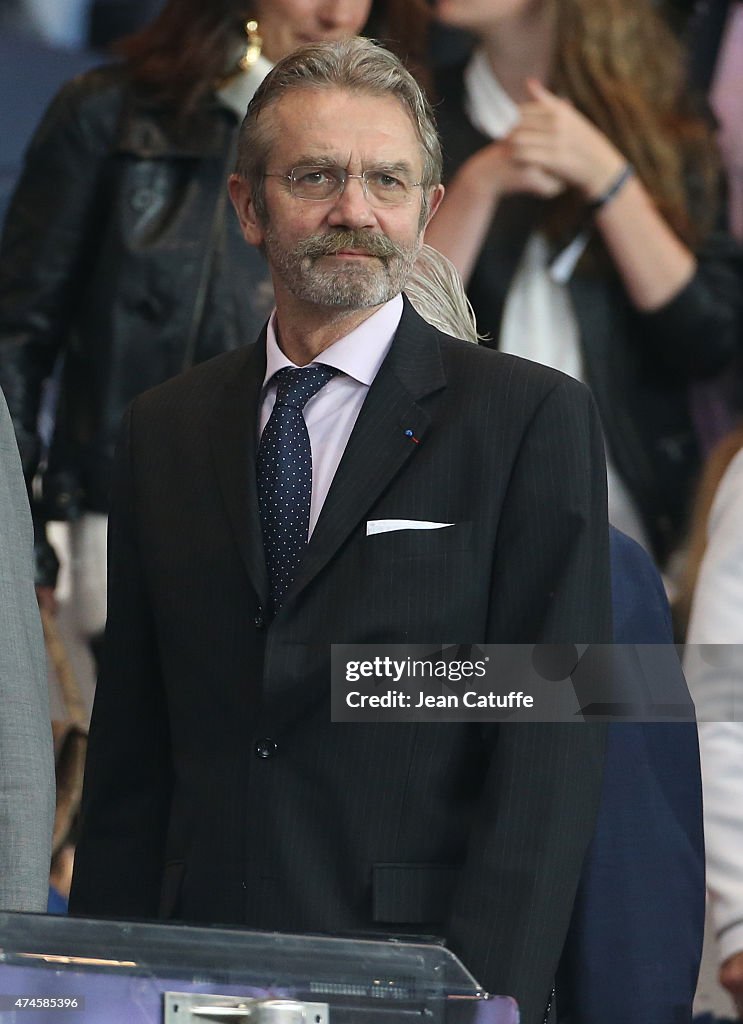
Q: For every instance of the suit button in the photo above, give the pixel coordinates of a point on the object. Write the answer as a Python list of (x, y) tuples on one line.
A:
[(259, 622), (265, 747)]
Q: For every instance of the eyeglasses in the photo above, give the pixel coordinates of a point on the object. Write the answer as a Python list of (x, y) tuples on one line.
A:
[(381, 187)]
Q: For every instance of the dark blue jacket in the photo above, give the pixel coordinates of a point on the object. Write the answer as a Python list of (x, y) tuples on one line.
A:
[(635, 941)]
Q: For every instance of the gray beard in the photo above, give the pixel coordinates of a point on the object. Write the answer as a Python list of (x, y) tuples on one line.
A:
[(344, 287)]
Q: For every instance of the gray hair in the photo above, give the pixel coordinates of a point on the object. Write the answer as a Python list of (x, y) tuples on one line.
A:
[(357, 65), (436, 291)]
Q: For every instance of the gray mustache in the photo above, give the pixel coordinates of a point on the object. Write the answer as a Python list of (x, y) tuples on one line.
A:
[(364, 241)]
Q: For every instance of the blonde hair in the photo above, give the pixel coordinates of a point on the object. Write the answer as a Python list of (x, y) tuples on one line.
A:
[(436, 291)]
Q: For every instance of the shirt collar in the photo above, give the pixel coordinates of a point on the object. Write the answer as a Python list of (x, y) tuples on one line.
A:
[(358, 354), (487, 104), (240, 88)]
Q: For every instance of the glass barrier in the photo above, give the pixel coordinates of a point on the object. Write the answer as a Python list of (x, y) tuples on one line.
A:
[(77, 971)]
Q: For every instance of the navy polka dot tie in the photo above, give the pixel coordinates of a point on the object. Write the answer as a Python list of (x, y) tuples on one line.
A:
[(285, 476)]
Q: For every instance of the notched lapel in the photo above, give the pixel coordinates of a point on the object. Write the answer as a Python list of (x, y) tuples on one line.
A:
[(391, 427), (234, 444)]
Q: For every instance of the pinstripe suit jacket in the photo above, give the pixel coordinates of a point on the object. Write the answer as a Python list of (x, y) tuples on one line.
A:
[(26, 761), (475, 833)]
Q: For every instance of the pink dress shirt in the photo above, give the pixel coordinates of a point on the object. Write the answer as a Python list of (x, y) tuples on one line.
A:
[(330, 415)]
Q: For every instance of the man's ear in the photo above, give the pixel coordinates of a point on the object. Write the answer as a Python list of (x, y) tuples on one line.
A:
[(242, 199), (434, 201)]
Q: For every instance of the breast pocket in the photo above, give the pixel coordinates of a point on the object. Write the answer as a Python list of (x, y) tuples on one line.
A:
[(412, 542)]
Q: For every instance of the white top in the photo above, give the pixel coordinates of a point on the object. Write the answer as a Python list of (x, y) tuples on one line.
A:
[(330, 414), (240, 89), (539, 321), (715, 678)]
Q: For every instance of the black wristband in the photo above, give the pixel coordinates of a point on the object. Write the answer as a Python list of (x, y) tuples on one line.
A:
[(616, 186)]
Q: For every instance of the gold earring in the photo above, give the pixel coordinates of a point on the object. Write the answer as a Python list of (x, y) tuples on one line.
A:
[(254, 47)]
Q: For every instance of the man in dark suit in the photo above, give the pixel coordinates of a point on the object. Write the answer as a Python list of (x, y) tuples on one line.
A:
[(450, 495)]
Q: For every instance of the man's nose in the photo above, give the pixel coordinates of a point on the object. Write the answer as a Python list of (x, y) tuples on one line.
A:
[(352, 208)]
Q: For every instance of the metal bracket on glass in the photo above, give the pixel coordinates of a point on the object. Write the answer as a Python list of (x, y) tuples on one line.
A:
[(198, 1007)]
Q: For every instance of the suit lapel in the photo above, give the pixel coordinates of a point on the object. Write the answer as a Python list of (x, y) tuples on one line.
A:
[(380, 444), (234, 444)]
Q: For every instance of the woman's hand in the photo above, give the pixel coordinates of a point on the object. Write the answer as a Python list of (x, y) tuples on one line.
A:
[(494, 171), (556, 140), (554, 137), (463, 219)]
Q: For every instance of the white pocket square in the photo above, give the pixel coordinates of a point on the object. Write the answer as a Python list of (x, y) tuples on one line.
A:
[(391, 525)]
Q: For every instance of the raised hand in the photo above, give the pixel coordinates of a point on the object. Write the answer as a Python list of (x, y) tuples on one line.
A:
[(554, 138)]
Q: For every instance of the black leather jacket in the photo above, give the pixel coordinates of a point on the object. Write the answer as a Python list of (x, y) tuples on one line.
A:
[(122, 254), (638, 365)]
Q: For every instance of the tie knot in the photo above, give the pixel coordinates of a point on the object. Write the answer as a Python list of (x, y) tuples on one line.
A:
[(295, 387)]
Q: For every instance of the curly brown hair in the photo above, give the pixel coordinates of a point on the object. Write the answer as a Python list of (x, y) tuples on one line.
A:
[(180, 55)]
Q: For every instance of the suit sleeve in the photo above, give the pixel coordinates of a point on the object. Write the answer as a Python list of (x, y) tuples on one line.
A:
[(128, 776), (26, 761), (699, 330), (550, 584)]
